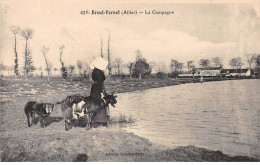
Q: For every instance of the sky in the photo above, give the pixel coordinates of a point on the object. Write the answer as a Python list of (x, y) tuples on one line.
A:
[(200, 29)]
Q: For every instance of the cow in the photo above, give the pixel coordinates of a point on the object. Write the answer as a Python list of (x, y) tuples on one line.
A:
[(43, 110), (77, 106)]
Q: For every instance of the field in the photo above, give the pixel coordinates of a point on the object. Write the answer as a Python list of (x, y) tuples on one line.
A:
[(53, 143)]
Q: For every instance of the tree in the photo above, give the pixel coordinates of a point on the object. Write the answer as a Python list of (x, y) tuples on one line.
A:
[(28, 63), (250, 60), (108, 55), (161, 67), (193, 70), (101, 45), (257, 65), (15, 30), (204, 62), (174, 65), (63, 68), (44, 51), (236, 62), (217, 61), (40, 69), (130, 68), (180, 67), (79, 66), (189, 63), (71, 69), (55, 70), (117, 63), (152, 65), (141, 67), (257, 61)]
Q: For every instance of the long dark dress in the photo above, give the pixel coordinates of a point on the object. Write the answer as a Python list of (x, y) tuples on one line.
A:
[(97, 88)]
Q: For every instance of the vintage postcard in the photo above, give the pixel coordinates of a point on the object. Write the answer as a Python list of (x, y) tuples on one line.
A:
[(129, 81)]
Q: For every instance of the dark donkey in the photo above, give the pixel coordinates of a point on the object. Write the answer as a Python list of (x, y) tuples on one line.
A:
[(77, 106)]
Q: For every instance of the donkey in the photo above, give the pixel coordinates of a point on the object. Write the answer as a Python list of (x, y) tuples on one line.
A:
[(77, 106)]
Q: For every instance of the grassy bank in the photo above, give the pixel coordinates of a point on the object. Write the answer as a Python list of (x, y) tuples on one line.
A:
[(53, 143)]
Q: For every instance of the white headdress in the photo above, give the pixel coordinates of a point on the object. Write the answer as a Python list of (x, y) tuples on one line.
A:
[(99, 63)]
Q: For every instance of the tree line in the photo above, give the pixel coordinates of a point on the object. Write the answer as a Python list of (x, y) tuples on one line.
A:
[(140, 68)]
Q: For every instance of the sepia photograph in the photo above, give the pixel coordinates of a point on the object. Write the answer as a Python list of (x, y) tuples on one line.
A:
[(130, 81)]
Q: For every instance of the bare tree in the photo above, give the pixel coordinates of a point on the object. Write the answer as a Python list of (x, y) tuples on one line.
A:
[(204, 62), (161, 67), (40, 69), (257, 61), (174, 65), (79, 66), (193, 70), (28, 67), (101, 45), (63, 68), (236, 62), (44, 51), (180, 67), (117, 63), (189, 63), (55, 70), (217, 61), (108, 55), (250, 59), (130, 68), (15, 30), (71, 69)]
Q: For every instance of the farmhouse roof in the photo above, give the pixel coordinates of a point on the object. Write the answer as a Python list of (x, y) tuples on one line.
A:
[(235, 70), (211, 68)]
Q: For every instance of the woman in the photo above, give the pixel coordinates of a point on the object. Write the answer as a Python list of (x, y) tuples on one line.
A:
[(98, 65), (98, 86)]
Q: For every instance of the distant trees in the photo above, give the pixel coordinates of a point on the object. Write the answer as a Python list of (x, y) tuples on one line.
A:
[(176, 67), (117, 64), (217, 61), (28, 63), (64, 71), (189, 63), (257, 61), (55, 70), (44, 51), (250, 60), (108, 56), (71, 69), (141, 68), (204, 62), (130, 66), (101, 45), (236, 62), (79, 66), (161, 67), (15, 30)]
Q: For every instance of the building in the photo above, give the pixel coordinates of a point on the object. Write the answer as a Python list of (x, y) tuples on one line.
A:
[(206, 72), (238, 72)]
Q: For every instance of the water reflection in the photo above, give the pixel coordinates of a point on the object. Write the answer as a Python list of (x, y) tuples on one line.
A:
[(215, 115)]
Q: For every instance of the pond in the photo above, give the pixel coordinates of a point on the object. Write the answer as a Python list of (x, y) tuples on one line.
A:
[(221, 115)]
